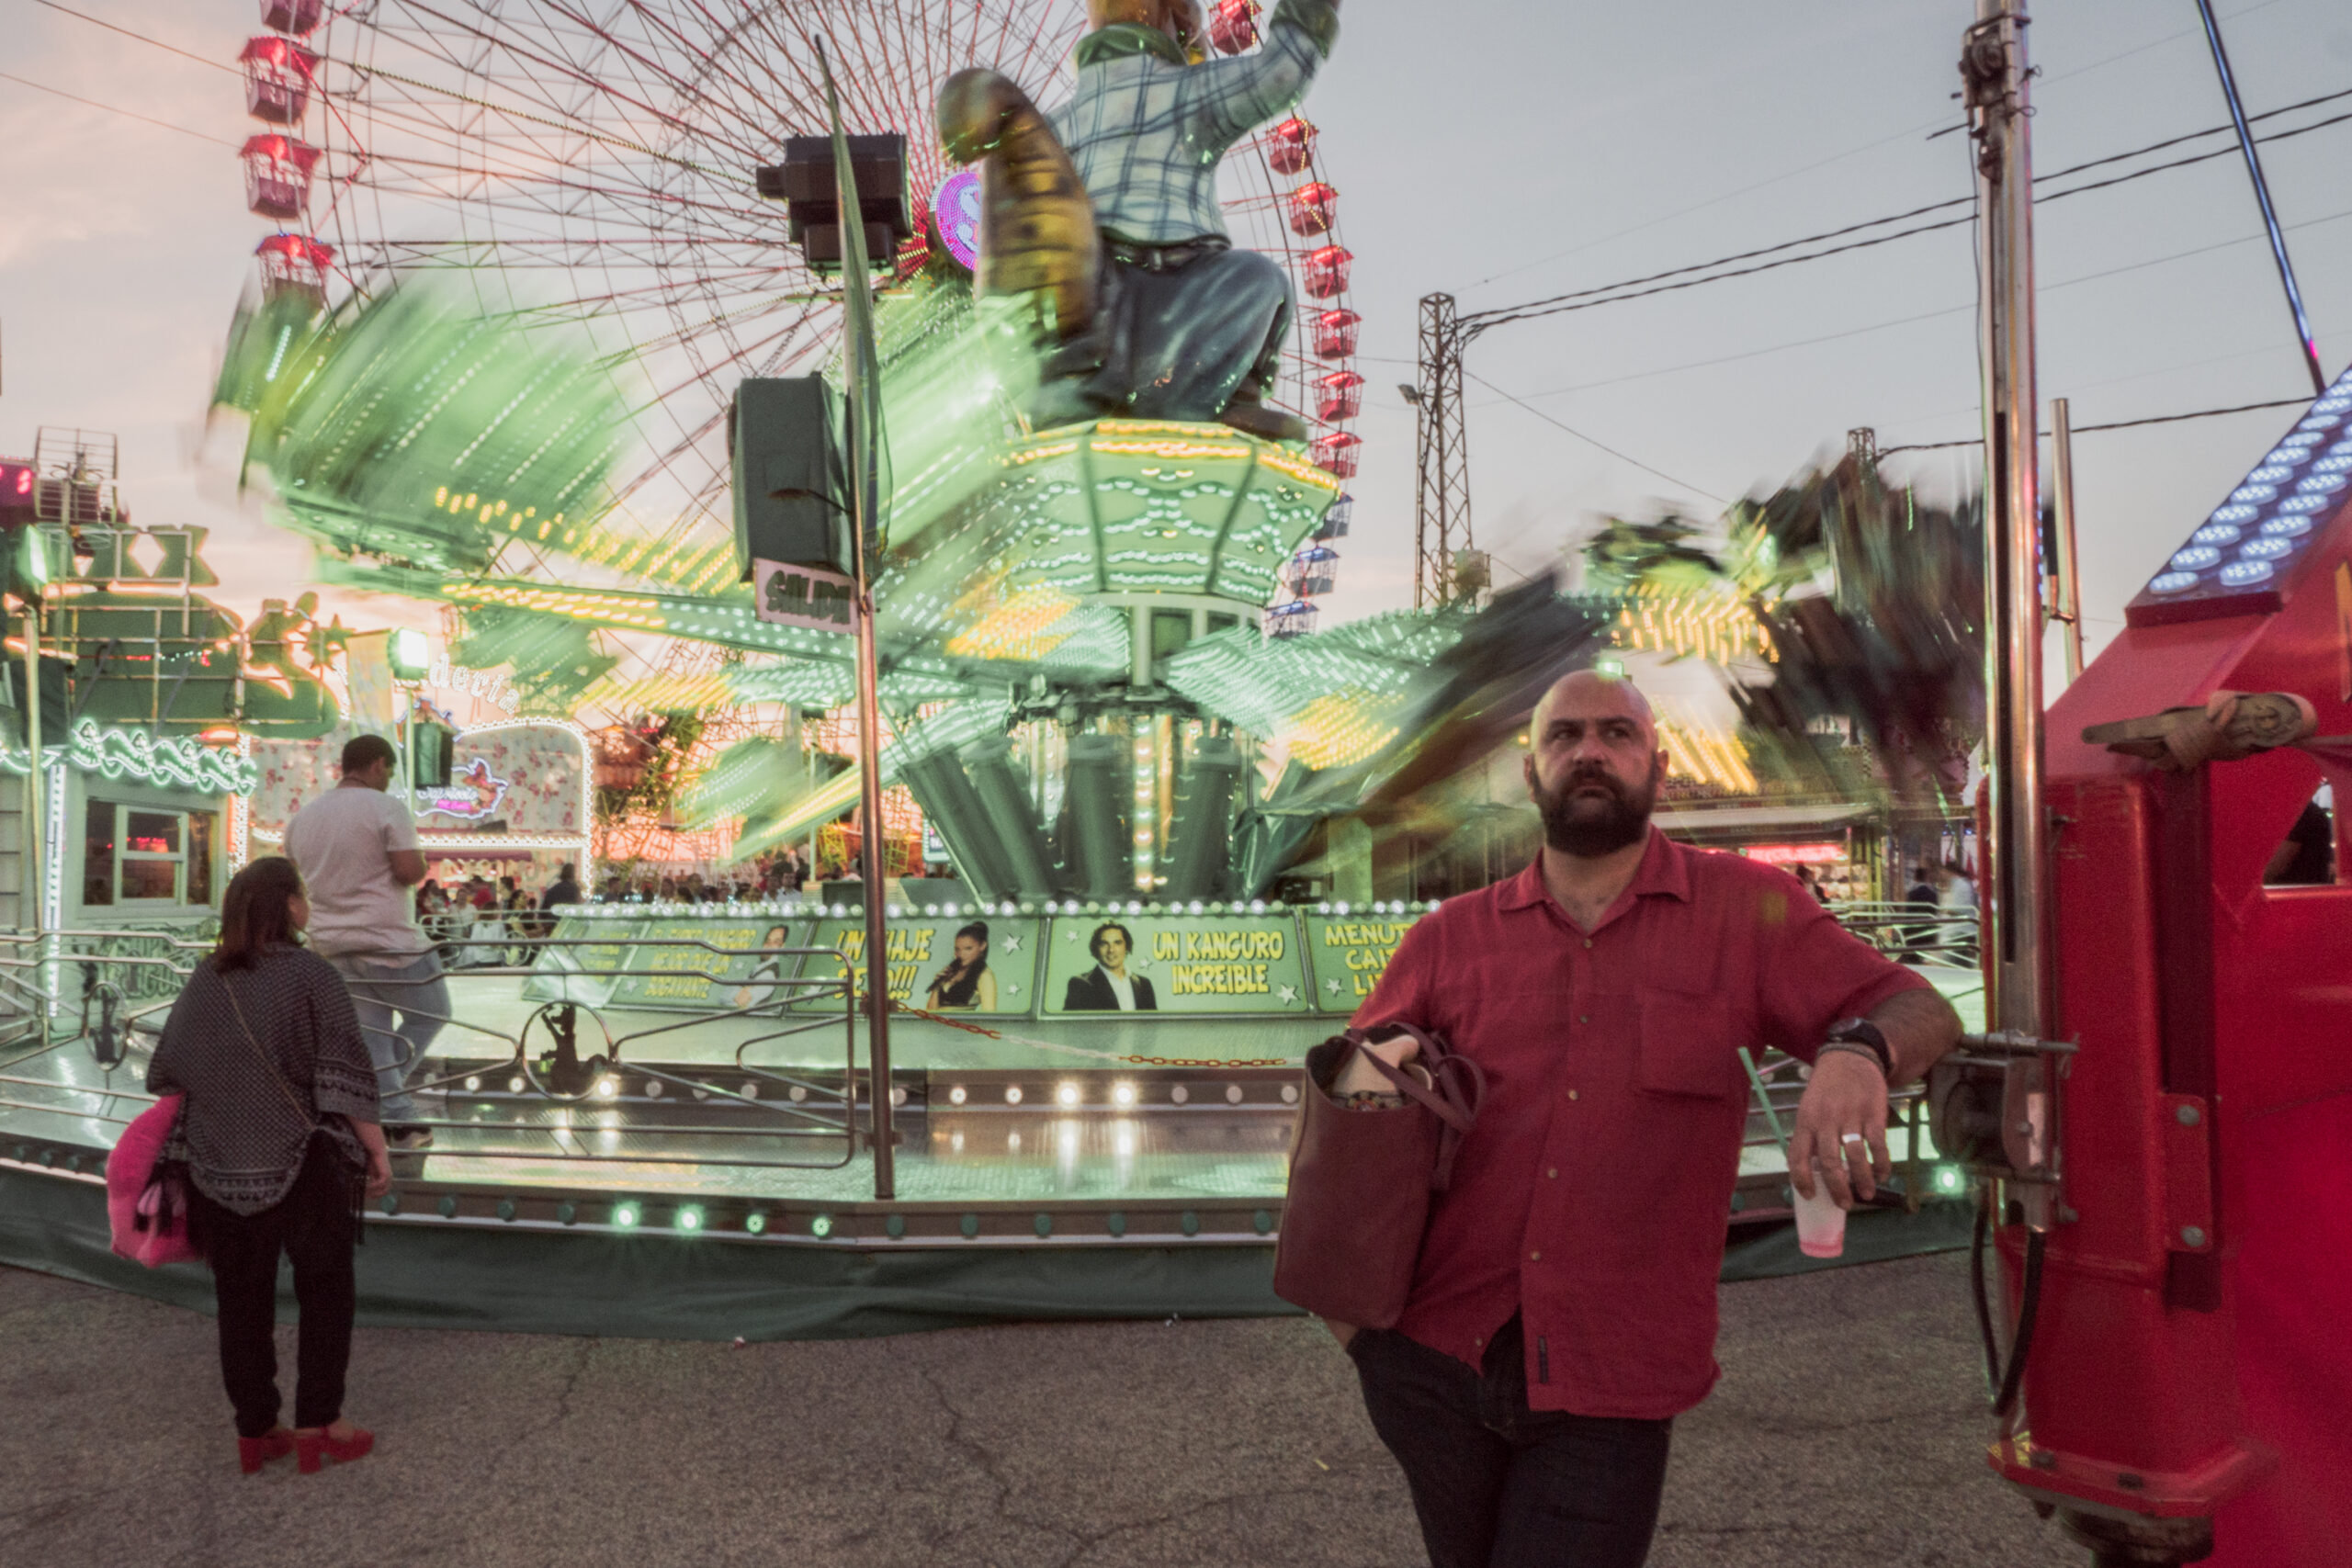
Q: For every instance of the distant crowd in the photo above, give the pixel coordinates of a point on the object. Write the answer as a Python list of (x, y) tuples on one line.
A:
[(477, 912)]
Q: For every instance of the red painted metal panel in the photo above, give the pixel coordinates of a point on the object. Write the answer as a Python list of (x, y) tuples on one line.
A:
[(2192, 1318)]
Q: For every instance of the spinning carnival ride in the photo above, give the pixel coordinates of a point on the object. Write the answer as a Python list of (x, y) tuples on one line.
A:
[(494, 367)]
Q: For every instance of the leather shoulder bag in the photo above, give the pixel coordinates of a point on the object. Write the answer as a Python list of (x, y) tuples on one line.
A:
[(1361, 1180)]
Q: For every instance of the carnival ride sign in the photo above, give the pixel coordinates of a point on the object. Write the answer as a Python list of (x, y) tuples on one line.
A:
[(744, 971), (991, 966), (485, 684), (1347, 954), (803, 596), (943, 963), (1176, 963)]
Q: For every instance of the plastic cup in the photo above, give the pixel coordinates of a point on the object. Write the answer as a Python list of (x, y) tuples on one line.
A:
[(1821, 1223)]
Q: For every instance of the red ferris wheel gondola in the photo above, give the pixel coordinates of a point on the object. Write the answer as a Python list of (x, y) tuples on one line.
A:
[(277, 175), (278, 73)]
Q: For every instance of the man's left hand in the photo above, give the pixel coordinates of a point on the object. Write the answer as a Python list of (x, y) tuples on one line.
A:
[(1847, 1095)]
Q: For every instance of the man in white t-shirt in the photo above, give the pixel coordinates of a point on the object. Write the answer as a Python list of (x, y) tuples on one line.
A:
[(357, 849)]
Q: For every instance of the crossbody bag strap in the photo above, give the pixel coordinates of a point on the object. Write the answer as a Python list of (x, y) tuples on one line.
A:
[(276, 1076)]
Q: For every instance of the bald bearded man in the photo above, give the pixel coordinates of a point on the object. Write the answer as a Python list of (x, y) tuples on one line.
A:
[(1562, 1311)]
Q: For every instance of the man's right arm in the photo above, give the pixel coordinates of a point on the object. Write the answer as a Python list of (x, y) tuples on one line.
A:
[(400, 846)]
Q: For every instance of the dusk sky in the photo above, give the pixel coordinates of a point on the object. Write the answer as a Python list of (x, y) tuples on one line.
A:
[(1502, 152)]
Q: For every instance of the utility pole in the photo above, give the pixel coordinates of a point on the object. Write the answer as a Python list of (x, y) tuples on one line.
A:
[(1995, 76), (1442, 444), (2262, 198)]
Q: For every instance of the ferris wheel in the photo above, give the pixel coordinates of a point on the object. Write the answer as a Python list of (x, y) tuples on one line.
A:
[(589, 164)]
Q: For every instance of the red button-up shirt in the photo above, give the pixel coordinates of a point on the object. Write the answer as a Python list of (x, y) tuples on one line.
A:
[(1591, 1197)]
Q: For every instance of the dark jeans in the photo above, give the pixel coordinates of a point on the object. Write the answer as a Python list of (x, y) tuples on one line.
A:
[(1176, 343), (313, 1225), (1496, 1485)]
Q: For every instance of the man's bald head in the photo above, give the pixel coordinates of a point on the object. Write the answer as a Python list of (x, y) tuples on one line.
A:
[(1593, 763), (1589, 695)]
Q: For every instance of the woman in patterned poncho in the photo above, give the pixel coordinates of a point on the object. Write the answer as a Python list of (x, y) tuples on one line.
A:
[(279, 1136)]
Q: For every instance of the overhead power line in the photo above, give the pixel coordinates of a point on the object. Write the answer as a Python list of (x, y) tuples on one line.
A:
[(142, 37), (2045, 289), (1678, 278), (93, 103), (2113, 425), (1588, 441), (1946, 128)]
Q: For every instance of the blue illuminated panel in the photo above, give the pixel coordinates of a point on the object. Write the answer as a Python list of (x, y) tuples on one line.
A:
[(2237, 560)]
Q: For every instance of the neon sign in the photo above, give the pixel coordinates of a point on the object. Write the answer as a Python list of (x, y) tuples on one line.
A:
[(1795, 854), (473, 796), (956, 206)]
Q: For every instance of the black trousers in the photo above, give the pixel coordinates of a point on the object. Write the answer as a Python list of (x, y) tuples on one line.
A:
[(1496, 1485), (313, 1225)]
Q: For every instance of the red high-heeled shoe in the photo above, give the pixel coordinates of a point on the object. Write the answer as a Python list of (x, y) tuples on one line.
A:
[(314, 1446), (255, 1453)]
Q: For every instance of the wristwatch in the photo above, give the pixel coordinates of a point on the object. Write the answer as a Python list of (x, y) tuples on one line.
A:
[(1863, 1032)]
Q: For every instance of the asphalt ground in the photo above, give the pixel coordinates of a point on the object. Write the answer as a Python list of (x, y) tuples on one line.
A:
[(1847, 1431)]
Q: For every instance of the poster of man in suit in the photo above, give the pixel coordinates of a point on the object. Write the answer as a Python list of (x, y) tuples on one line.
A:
[(1108, 987)]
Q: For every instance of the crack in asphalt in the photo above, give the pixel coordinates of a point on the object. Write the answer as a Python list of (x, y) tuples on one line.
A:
[(505, 1451), (1082, 1542), (985, 1459)]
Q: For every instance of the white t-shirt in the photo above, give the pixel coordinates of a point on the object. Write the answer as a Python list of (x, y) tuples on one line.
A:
[(1959, 892), (343, 843), (1124, 987)]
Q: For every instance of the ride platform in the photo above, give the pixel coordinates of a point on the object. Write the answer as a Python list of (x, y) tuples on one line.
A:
[(706, 1167)]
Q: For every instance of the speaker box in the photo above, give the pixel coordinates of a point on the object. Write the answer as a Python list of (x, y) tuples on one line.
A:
[(806, 182), (784, 436)]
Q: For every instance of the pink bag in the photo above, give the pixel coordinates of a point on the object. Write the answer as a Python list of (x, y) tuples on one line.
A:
[(147, 1208)]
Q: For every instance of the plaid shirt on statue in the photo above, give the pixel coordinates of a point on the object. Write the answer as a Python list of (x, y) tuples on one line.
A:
[(1147, 129)]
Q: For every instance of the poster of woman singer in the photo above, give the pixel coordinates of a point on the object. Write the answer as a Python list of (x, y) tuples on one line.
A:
[(764, 984), (965, 984)]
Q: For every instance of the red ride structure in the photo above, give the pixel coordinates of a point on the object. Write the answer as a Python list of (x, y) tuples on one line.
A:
[(2161, 1113), (2188, 1358)]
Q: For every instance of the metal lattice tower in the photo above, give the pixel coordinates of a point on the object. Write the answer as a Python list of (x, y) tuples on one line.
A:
[(1442, 489)]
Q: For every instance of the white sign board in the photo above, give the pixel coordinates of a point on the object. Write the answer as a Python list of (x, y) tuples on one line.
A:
[(803, 596)]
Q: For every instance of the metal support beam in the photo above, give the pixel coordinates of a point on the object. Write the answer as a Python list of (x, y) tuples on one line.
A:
[(1442, 488), (2065, 586)]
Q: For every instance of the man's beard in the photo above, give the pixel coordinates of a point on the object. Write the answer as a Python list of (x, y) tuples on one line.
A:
[(1576, 828)]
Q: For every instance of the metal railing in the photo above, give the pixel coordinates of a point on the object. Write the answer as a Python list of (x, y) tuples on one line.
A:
[(1778, 1083), (760, 1115), (560, 1079), (1913, 932)]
